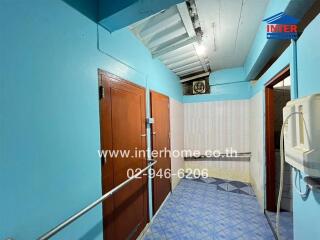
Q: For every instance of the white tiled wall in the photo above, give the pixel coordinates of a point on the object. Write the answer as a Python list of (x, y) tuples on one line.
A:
[(237, 124), (217, 126), (176, 129), (257, 162)]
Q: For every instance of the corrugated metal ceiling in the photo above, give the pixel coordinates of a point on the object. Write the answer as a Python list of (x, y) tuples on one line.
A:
[(170, 37)]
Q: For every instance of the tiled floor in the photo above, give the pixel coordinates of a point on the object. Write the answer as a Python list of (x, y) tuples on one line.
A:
[(286, 224), (210, 209)]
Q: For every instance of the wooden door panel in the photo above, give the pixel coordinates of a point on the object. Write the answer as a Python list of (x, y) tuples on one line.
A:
[(127, 119), (270, 150), (106, 166), (160, 142), (126, 113)]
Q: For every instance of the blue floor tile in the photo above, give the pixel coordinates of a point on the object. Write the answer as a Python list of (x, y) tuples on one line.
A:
[(286, 224), (199, 210)]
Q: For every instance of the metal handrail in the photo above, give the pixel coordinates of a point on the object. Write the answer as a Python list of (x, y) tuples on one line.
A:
[(74, 217)]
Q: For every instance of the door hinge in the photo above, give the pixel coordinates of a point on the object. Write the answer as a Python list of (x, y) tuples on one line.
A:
[(101, 92)]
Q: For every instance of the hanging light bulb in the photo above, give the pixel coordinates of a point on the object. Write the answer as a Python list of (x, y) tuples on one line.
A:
[(201, 49)]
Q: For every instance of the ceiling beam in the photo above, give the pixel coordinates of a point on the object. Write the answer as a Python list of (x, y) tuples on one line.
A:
[(185, 16)]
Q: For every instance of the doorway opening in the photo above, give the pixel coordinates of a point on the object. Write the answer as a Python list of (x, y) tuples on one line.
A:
[(277, 94)]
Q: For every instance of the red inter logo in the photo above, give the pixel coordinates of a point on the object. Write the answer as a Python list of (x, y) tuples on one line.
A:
[(282, 26)]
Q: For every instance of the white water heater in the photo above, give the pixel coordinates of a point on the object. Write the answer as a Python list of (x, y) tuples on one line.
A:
[(302, 134)]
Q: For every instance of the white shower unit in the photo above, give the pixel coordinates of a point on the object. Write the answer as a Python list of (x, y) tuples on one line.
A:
[(302, 134)]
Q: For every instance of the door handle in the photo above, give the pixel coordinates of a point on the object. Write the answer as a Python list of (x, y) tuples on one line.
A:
[(154, 133)]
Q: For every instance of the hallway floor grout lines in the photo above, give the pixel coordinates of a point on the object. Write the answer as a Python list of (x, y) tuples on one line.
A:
[(210, 209)]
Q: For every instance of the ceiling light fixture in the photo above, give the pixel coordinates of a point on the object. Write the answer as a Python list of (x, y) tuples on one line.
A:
[(201, 50)]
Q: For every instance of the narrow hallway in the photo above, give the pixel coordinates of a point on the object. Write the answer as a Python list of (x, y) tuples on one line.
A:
[(210, 209), (107, 108)]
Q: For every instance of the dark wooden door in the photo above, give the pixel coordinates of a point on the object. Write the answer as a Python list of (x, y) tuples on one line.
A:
[(122, 120), (160, 141), (270, 144), (270, 151)]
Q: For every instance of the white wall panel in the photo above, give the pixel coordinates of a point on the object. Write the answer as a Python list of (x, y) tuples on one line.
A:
[(231, 170), (176, 130), (217, 126), (257, 163)]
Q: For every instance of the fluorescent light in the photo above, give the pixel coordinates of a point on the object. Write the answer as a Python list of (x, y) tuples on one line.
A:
[(201, 50)]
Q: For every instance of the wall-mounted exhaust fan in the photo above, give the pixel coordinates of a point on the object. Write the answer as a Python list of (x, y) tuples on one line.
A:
[(199, 87)]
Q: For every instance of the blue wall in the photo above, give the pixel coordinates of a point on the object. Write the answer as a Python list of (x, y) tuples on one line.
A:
[(226, 84), (260, 41), (283, 61), (49, 113), (306, 212)]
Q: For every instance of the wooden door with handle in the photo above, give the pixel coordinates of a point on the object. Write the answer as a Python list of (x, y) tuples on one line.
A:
[(123, 129), (161, 143)]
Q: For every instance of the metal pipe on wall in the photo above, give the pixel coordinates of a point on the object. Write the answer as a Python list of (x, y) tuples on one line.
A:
[(294, 70)]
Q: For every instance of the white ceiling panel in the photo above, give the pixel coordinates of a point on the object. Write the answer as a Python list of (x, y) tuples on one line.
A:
[(229, 28)]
